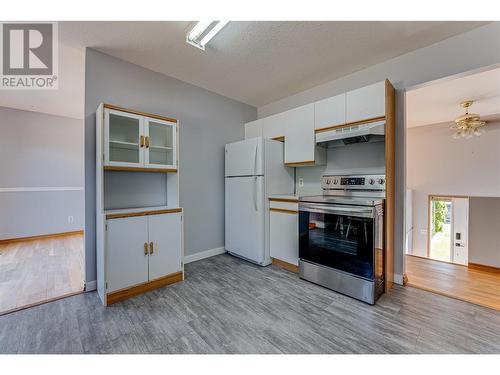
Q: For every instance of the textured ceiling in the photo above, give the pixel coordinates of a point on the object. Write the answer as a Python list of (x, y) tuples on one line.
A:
[(260, 62), (440, 102)]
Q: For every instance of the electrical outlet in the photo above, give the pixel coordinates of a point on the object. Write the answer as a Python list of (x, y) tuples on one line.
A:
[(301, 182), (70, 219)]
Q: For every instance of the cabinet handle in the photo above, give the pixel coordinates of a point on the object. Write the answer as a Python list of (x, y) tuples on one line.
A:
[(142, 141), (145, 248), (147, 142), (151, 245)]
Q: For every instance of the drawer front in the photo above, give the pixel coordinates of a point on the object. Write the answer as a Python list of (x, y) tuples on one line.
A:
[(282, 205)]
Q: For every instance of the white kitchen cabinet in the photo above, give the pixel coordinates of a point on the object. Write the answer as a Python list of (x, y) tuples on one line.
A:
[(330, 112), (141, 249), (165, 252), (365, 103), (127, 252), (300, 139), (136, 141), (253, 129), (274, 126), (284, 232)]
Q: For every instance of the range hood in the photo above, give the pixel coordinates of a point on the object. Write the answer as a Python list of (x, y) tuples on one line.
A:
[(352, 134)]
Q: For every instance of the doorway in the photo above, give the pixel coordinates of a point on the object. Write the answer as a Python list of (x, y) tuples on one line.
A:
[(448, 229)]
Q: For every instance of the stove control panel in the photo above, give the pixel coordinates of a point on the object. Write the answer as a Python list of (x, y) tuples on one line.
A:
[(358, 182)]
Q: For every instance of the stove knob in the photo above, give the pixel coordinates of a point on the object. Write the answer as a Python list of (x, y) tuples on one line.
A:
[(381, 181), (328, 181), (371, 181), (335, 182)]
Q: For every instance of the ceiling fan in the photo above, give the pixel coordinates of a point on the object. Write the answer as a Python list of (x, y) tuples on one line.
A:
[(469, 124)]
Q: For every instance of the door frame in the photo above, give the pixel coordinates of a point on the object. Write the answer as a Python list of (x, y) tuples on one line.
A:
[(450, 197)]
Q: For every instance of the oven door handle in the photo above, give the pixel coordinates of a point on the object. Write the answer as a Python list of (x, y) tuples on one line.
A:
[(356, 211)]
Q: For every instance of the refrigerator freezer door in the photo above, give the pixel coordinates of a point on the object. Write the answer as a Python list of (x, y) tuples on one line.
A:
[(245, 158), (245, 218)]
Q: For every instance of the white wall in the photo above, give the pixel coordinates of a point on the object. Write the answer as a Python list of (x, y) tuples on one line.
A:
[(437, 164), (423, 65), (41, 169)]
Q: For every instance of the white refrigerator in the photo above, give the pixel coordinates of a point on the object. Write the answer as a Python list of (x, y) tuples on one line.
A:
[(254, 171)]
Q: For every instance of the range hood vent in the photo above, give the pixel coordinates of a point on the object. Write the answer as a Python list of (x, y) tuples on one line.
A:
[(352, 134)]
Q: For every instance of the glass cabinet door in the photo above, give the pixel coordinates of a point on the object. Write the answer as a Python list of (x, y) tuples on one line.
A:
[(123, 139), (161, 141)]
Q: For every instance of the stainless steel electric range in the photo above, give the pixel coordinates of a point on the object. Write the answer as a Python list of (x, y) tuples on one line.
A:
[(341, 236)]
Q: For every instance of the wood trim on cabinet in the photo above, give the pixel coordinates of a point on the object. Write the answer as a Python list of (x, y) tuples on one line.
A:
[(121, 109), (132, 291), (138, 169), (285, 265), (280, 138), (289, 200), (348, 124), (40, 237), (483, 267), (296, 163), (144, 213), (390, 176), (284, 211)]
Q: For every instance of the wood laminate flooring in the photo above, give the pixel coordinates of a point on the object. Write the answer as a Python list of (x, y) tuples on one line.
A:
[(452, 280), (36, 271), (227, 305)]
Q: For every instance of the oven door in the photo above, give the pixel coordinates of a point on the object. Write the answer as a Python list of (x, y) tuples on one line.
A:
[(338, 236)]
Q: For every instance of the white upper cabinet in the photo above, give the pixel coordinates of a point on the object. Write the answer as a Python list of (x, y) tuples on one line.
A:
[(330, 112), (274, 126), (123, 139), (366, 103), (300, 142), (160, 143), (253, 129)]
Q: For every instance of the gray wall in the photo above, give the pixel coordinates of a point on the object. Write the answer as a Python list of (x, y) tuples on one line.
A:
[(41, 169), (469, 167), (426, 64), (207, 122), (484, 227)]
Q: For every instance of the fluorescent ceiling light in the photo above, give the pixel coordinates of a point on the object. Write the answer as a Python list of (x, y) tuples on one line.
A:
[(203, 32)]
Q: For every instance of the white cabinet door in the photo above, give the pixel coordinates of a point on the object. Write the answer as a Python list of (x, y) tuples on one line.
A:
[(253, 129), (123, 139), (127, 259), (160, 143), (284, 237), (274, 126), (366, 102), (165, 244), (300, 141), (330, 112)]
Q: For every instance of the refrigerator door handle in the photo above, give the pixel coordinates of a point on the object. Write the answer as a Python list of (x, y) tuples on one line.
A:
[(255, 159), (255, 193)]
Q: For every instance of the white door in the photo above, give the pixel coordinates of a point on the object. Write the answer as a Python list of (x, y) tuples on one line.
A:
[(165, 247), (274, 126), (460, 229), (366, 102), (245, 217), (127, 255), (329, 112), (300, 140), (245, 158), (161, 143), (123, 139), (284, 236)]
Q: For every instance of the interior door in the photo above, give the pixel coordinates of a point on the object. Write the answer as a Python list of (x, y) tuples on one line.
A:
[(245, 217), (123, 139), (160, 145), (245, 158), (460, 230), (127, 258), (165, 247)]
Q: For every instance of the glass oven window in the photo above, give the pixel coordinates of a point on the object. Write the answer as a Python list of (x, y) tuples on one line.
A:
[(342, 242)]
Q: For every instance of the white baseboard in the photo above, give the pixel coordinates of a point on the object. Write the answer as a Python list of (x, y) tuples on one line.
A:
[(91, 285), (204, 254), (398, 279)]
